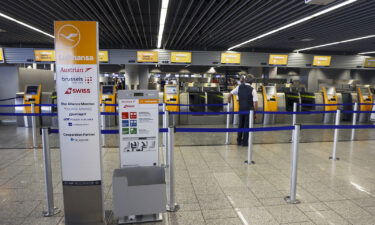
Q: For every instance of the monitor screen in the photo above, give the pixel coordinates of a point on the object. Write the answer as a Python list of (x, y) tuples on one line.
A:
[(365, 91), (171, 90), (138, 94), (107, 90), (331, 91), (32, 90), (270, 90)]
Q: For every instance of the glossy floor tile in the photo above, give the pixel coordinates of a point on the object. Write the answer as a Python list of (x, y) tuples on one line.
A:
[(215, 186)]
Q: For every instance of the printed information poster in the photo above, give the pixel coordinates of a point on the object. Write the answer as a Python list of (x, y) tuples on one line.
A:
[(78, 101), (139, 130)]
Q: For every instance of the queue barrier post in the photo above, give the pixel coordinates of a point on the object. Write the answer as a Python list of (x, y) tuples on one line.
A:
[(33, 125), (335, 136), (354, 122), (292, 199), (227, 133), (51, 209), (102, 123), (165, 136), (250, 140), (294, 121), (171, 205)]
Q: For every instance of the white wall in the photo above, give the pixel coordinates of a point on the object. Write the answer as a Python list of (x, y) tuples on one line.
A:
[(8, 87)]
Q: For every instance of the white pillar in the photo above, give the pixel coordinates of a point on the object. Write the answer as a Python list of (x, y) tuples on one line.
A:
[(143, 77), (137, 75)]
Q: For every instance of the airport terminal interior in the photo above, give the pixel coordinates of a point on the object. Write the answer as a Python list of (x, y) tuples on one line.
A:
[(187, 112)]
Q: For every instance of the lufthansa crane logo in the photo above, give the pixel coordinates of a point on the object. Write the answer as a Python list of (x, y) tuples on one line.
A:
[(69, 35)]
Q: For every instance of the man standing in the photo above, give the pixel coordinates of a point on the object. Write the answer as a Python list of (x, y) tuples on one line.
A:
[(248, 100)]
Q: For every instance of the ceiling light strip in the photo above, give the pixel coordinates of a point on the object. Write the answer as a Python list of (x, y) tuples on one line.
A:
[(334, 43), (364, 53), (163, 15), (325, 11), (26, 25)]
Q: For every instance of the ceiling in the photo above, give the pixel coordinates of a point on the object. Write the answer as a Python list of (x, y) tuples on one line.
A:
[(196, 24)]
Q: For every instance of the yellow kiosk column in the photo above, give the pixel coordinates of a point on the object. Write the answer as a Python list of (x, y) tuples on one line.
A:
[(364, 97), (269, 104), (331, 101), (172, 96)]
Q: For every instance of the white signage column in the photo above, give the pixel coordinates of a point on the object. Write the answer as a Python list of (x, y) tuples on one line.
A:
[(76, 45)]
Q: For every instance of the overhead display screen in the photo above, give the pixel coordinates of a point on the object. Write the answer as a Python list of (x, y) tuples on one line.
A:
[(103, 56), (322, 60), (180, 57), (369, 63), (278, 60), (44, 55), (230, 58), (147, 56), (1, 55)]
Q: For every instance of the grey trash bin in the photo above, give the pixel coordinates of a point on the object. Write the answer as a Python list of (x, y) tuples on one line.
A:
[(140, 192)]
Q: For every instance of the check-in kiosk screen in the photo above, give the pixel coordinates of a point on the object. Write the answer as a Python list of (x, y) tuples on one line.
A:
[(171, 90), (331, 91), (107, 90), (270, 91), (365, 92), (32, 90)]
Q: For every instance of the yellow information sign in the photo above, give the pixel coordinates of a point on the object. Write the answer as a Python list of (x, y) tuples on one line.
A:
[(1, 55), (148, 56), (103, 56), (44, 55), (369, 63), (230, 58), (322, 60), (180, 57), (278, 60)]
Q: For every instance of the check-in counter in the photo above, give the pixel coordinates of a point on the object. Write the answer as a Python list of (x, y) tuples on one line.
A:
[(32, 94), (108, 96), (270, 104), (331, 99), (364, 97)]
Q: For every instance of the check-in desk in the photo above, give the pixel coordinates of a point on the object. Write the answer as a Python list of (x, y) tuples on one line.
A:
[(108, 96), (364, 97), (32, 94), (172, 96), (270, 104), (331, 99)]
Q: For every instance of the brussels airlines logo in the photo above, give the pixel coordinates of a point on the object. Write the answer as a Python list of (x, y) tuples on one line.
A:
[(69, 35), (77, 91)]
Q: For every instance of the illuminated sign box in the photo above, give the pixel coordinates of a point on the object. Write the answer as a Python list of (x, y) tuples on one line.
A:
[(44, 55), (1, 55), (103, 56), (322, 61), (180, 57), (369, 63), (147, 56), (230, 58), (278, 60)]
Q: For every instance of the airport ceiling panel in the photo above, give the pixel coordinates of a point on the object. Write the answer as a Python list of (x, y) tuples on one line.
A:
[(356, 20), (122, 23)]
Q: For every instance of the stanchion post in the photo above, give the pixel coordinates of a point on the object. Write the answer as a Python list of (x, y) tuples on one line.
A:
[(354, 120), (292, 199), (227, 133), (294, 114), (165, 125), (102, 122), (250, 140), (335, 136), (165, 136), (51, 210), (171, 205), (33, 125)]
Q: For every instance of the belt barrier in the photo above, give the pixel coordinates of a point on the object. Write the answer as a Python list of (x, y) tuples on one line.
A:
[(7, 99), (343, 104), (223, 130), (314, 127), (28, 114), (161, 130)]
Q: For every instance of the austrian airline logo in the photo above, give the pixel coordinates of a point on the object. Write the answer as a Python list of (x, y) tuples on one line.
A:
[(77, 91), (74, 70), (69, 35)]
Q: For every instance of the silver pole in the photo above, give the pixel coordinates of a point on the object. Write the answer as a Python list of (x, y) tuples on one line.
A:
[(102, 123), (227, 134), (250, 140), (291, 199), (33, 125), (51, 210), (294, 115), (354, 120), (165, 137), (165, 125), (335, 136), (171, 206)]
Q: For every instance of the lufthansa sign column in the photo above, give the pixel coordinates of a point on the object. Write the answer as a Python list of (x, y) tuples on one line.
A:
[(76, 45)]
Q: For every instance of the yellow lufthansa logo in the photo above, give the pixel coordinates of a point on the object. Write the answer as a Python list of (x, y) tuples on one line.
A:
[(69, 35)]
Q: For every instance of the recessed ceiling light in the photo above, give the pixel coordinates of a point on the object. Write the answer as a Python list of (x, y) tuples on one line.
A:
[(325, 11), (335, 43), (2, 31), (307, 39), (366, 53), (163, 15)]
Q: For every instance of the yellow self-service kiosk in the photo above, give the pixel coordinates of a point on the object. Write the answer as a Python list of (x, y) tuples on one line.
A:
[(32, 95), (365, 97), (330, 97), (269, 103), (172, 96), (108, 96), (236, 103)]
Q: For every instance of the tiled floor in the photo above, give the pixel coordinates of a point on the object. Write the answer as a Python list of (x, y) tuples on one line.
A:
[(214, 186)]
